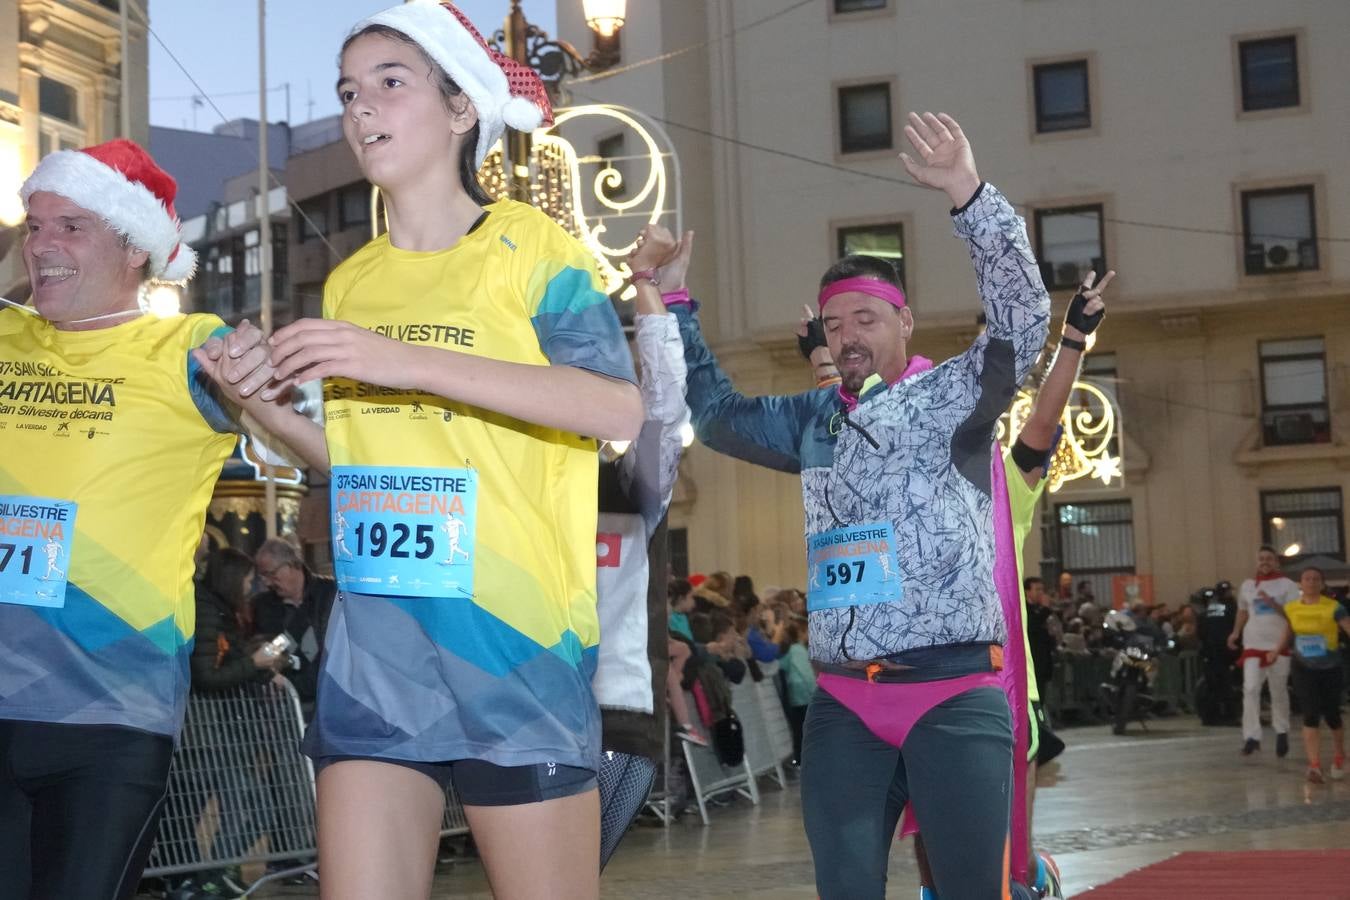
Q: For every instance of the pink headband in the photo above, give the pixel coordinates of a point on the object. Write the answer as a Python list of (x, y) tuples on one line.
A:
[(864, 285)]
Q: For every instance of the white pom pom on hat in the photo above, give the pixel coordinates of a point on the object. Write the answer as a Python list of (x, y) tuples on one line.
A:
[(503, 91)]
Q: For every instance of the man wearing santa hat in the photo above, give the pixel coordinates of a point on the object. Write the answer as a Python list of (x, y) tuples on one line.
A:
[(114, 434)]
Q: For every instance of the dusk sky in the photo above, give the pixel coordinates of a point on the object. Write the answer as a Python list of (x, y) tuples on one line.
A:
[(217, 41)]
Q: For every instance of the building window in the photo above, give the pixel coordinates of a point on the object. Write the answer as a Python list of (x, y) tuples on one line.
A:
[(60, 101), (886, 241), (313, 219), (1299, 524), (354, 205), (1062, 100), (216, 282), (864, 118), (1294, 406), (1269, 71), (1070, 242), (849, 6), (612, 151), (679, 551), (1096, 543), (1279, 230)]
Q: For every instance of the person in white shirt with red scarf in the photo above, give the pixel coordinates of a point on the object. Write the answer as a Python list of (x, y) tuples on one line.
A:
[(1260, 625)]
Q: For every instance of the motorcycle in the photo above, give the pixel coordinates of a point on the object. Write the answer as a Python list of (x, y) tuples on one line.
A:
[(1133, 670)]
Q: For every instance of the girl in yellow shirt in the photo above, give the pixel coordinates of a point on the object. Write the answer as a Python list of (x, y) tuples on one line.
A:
[(1314, 620)]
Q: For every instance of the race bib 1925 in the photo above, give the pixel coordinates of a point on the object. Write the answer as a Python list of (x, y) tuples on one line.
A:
[(404, 531)]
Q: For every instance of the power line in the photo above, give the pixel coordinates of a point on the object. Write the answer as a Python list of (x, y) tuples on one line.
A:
[(905, 182), (272, 179), (889, 179), (184, 97)]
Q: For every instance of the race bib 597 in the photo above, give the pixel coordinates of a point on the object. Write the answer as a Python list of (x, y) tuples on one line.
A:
[(852, 566)]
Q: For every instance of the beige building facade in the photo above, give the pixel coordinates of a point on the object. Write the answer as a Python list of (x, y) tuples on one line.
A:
[(1197, 148), (61, 83)]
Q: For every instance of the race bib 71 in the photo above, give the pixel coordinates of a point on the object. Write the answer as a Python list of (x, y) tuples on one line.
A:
[(404, 531), (35, 539)]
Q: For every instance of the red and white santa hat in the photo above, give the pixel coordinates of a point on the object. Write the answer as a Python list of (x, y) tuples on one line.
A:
[(504, 92), (120, 183)]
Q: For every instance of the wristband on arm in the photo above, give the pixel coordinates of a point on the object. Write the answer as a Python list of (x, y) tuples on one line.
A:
[(1080, 346), (1029, 459), (672, 298)]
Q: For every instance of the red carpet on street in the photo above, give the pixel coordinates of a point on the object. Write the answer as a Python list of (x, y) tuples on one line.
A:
[(1264, 874)]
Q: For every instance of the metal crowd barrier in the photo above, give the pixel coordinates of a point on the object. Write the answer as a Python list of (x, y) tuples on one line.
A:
[(709, 778), (767, 737), (1074, 688), (241, 792)]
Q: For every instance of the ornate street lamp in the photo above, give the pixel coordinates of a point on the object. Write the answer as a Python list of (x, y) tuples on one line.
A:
[(555, 60)]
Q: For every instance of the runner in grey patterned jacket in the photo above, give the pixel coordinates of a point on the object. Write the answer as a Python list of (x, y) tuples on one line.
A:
[(913, 456), (897, 481)]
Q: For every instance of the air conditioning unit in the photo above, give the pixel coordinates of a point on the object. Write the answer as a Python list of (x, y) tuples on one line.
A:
[(1294, 428), (1273, 255)]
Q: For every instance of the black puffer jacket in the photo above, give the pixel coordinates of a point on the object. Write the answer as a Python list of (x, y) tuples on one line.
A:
[(220, 658)]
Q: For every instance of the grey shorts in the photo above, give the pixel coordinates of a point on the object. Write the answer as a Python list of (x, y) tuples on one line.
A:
[(481, 783)]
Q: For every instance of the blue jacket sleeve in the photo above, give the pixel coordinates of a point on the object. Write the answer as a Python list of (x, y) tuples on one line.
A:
[(766, 431)]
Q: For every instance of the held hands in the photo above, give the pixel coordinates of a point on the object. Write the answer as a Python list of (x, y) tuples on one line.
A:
[(239, 364), (312, 349), (947, 162), (1087, 307)]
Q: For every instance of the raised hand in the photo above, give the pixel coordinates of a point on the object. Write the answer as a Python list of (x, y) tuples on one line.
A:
[(654, 246), (674, 270), (946, 159), (1087, 306)]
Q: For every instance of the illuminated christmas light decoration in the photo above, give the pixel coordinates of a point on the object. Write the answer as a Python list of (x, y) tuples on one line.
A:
[(1091, 444), (587, 194)]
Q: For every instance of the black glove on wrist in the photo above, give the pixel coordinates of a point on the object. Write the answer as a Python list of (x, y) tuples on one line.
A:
[(814, 339), (1081, 320)]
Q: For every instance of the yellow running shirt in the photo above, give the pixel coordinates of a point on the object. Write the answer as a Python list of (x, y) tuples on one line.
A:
[(111, 447), (464, 540), (1316, 632)]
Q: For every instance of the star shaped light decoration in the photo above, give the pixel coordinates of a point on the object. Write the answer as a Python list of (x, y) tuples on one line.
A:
[(1090, 422)]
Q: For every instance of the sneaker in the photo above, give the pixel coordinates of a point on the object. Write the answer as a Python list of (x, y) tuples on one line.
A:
[(1047, 877), (1338, 768), (1282, 745), (1250, 747), (1315, 775), (690, 734)]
